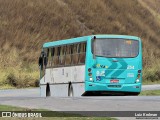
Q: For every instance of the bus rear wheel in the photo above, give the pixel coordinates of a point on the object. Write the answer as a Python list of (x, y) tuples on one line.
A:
[(70, 90), (132, 94)]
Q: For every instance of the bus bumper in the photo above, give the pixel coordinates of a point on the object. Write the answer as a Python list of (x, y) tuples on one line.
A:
[(90, 86)]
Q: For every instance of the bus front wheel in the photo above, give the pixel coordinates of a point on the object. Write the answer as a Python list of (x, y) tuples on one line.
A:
[(48, 93)]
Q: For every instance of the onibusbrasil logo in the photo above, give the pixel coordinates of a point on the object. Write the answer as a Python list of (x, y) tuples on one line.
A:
[(21, 114)]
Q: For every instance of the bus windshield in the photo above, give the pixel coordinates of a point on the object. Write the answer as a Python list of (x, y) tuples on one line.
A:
[(122, 48)]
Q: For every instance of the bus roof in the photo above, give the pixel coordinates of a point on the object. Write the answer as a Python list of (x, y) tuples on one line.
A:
[(85, 38)]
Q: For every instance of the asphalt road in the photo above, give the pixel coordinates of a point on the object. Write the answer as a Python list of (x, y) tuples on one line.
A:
[(151, 87), (109, 103), (29, 98), (35, 92)]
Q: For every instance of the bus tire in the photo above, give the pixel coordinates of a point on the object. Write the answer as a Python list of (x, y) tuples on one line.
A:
[(135, 93), (132, 93), (70, 90), (48, 92)]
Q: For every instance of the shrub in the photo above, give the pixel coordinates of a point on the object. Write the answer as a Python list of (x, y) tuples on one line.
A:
[(11, 80), (151, 74)]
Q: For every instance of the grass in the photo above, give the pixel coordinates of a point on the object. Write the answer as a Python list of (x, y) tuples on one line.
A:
[(12, 108), (151, 75), (150, 93), (19, 77), (148, 82), (66, 116)]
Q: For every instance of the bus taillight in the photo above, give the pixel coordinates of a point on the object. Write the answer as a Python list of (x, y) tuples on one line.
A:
[(89, 69), (139, 71), (138, 76), (90, 74)]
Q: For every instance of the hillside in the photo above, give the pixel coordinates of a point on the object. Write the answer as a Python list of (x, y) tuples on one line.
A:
[(26, 24)]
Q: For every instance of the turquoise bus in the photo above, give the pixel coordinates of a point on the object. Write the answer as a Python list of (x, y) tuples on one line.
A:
[(89, 65)]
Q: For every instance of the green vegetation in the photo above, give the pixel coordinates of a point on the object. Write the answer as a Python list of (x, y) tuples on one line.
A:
[(148, 82), (152, 75), (150, 93), (26, 24), (56, 114), (12, 108), (19, 77)]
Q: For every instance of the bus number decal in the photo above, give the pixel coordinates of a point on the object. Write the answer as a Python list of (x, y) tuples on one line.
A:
[(130, 75), (130, 67)]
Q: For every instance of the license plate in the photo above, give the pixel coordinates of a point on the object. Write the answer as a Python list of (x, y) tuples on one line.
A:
[(114, 81)]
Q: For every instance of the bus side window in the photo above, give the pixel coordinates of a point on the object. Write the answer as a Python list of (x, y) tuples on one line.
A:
[(75, 54), (47, 52), (52, 51), (71, 49), (55, 58), (62, 56), (58, 55), (49, 57), (45, 55), (52, 55), (68, 55), (82, 53)]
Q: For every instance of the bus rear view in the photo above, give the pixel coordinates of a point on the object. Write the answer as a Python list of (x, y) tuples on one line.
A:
[(116, 65)]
